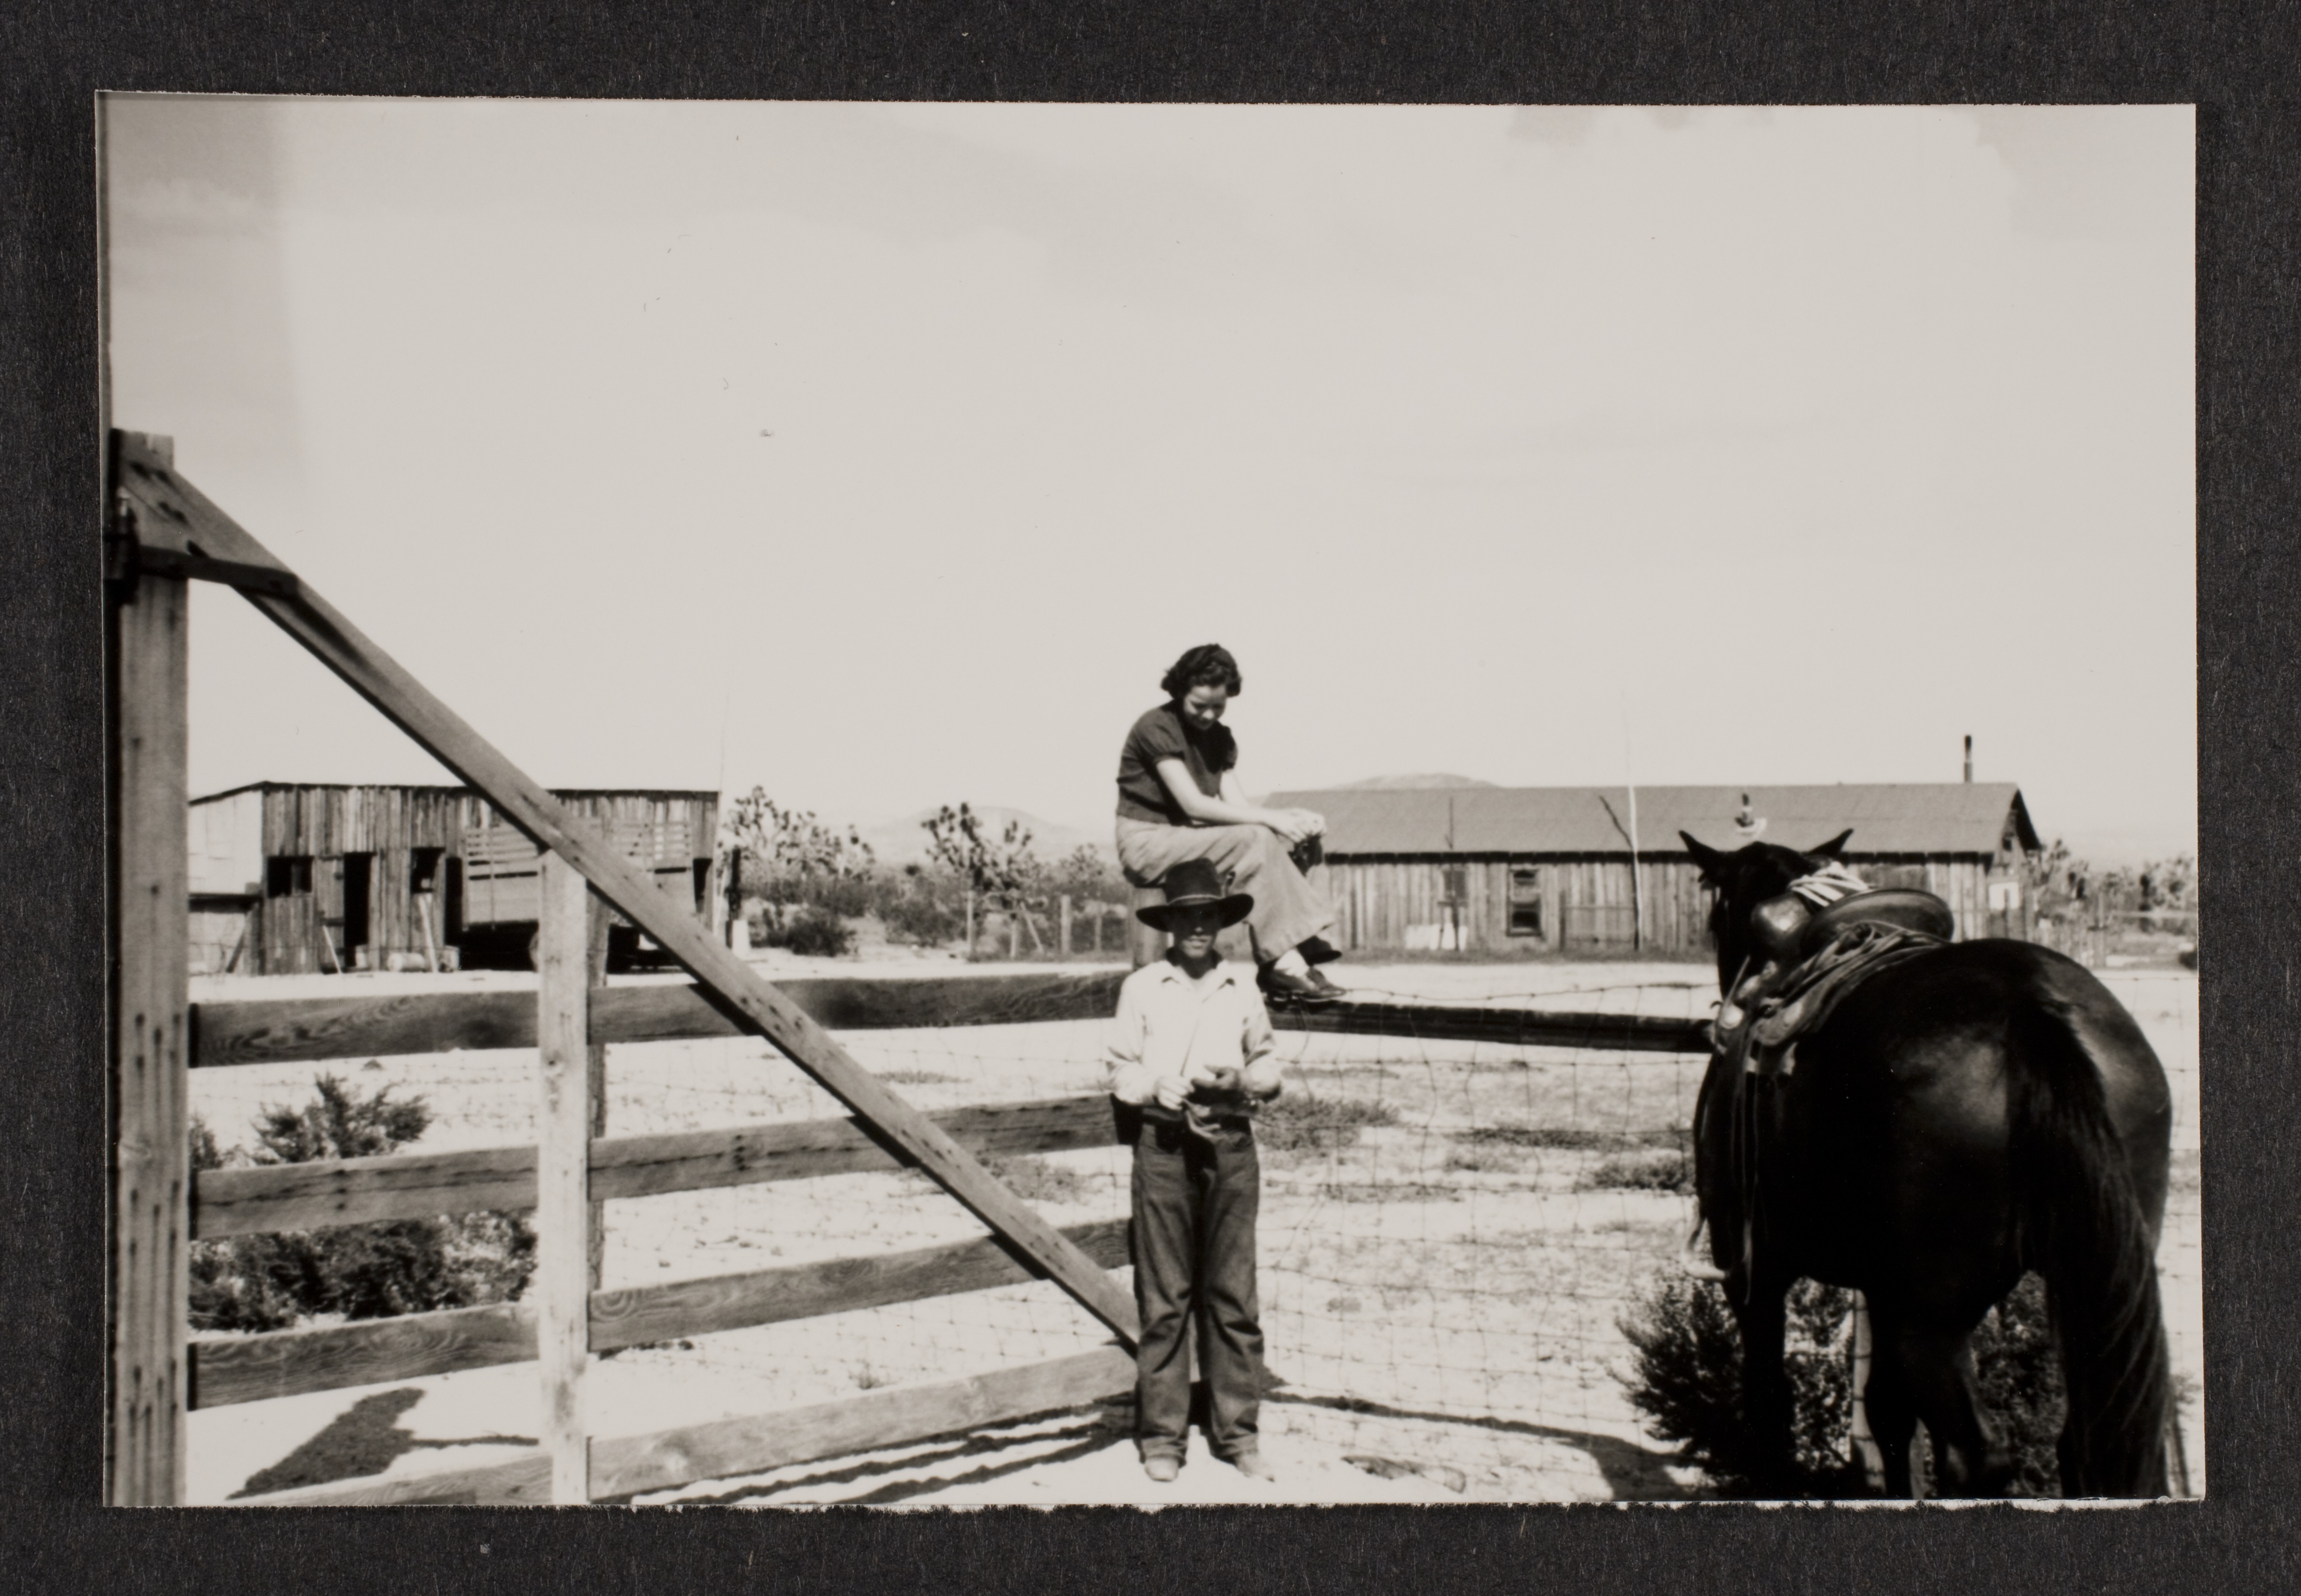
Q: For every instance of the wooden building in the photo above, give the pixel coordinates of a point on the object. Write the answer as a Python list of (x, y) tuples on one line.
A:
[(1493, 868), (287, 877)]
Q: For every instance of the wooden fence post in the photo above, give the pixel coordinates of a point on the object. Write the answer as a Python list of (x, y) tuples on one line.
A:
[(1144, 944), (149, 1084), (600, 922), (1067, 926), (562, 1207)]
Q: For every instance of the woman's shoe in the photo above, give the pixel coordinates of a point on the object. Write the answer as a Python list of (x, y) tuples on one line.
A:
[(1307, 990), (1317, 950), (1318, 979)]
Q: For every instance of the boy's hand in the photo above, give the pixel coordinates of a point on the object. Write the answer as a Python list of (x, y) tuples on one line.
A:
[(1172, 1092), (1217, 1084), (1260, 1079)]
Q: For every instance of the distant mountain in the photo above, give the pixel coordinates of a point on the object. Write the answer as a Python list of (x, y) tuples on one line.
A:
[(1407, 783), (904, 841)]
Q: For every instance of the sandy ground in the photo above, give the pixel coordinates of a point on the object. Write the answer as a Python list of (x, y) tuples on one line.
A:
[(1440, 1308)]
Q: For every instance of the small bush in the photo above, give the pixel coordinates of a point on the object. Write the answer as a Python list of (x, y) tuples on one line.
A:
[(1643, 1172), (1686, 1378), (1485, 1160), (1299, 1123), (812, 930), (1035, 1180), (1570, 1137), (272, 1281), (847, 896), (912, 913)]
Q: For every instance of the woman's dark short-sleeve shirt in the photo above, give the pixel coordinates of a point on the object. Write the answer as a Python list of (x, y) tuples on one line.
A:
[(1162, 733)]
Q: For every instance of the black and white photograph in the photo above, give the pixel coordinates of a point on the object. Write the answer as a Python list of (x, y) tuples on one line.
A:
[(932, 805)]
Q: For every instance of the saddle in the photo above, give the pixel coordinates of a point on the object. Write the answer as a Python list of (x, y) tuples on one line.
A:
[(1755, 1038)]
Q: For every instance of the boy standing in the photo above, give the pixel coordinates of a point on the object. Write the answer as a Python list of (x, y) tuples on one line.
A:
[(1192, 1051)]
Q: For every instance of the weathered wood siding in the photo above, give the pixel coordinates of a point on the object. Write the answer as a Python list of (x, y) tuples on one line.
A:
[(335, 826), (1589, 902)]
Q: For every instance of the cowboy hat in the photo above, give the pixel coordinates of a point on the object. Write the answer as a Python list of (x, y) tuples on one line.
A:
[(1190, 883)]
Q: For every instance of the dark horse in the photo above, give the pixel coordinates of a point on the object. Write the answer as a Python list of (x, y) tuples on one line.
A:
[(1980, 1109)]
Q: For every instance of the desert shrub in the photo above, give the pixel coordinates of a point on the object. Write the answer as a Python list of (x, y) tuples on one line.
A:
[(273, 1280), (1670, 1170), (1485, 1160), (913, 910), (1034, 1179), (1686, 1377), (1299, 1123), (847, 896), (339, 1123), (811, 930), (1570, 1137)]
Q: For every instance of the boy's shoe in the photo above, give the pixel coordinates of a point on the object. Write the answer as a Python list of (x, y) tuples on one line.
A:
[(1250, 1464), (1162, 1467), (1306, 990)]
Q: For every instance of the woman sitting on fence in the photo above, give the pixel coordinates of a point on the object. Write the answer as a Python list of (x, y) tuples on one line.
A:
[(1179, 798)]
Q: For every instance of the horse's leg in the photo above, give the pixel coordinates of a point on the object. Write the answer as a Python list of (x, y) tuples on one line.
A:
[(1971, 1458), (1766, 1399), (1886, 1401)]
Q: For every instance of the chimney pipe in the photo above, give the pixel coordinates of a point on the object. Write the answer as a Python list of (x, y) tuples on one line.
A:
[(1969, 759)]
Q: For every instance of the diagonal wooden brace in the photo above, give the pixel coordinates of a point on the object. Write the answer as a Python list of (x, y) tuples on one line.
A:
[(151, 487), (231, 573)]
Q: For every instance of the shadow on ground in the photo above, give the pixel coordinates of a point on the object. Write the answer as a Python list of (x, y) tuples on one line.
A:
[(1089, 1433), (1631, 1472), (364, 1439)]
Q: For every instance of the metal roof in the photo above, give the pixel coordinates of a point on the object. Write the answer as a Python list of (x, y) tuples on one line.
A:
[(1949, 817)]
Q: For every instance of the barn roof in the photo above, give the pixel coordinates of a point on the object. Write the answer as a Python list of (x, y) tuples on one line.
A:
[(1949, 817)]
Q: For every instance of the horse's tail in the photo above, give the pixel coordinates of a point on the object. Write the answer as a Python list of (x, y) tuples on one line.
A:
[(2084, 1230)]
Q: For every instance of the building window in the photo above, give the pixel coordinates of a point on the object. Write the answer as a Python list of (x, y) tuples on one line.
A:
[(287, 875), (1526, 903), (423, 868)]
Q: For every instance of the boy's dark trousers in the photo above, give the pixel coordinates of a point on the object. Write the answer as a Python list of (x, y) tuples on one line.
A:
[(1195, 1204)]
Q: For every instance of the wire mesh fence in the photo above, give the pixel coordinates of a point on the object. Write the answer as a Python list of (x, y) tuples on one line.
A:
[(1451, 1233)]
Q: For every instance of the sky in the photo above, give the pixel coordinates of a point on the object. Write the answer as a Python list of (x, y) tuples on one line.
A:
[(884, 455)]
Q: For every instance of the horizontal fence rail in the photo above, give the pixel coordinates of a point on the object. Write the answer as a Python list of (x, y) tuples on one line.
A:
[(290, 1029), (282, 1363), (1507, 1027), (228, 1202), (729, 1449), (277, 1031)]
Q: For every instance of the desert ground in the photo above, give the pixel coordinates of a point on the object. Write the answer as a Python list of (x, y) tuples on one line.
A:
[(1441, 1282)]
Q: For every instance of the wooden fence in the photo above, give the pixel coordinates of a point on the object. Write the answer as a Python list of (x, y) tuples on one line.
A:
[(225, 1202), (165, 534)]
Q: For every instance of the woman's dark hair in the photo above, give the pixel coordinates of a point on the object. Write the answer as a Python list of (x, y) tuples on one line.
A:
[(1209, 664)]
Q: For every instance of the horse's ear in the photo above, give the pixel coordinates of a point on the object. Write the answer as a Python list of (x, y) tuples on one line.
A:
[(1833, 848), (1711, 861)]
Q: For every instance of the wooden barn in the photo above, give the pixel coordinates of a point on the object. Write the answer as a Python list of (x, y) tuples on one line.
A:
[(288, 877), (1493, 868)]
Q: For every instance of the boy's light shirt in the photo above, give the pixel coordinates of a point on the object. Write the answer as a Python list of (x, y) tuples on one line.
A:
[(1169, 1024)]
